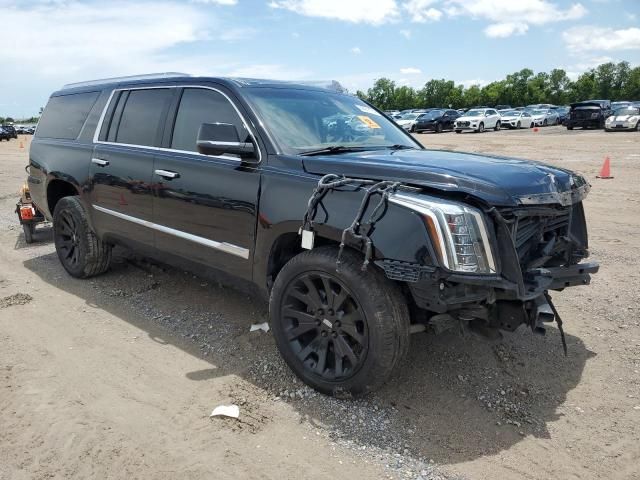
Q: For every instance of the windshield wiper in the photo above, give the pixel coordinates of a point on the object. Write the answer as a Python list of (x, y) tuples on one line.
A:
[(333, 150), (398, 146)]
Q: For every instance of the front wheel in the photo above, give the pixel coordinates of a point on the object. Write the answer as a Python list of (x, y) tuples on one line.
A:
[(638, 126), (481, 128), (458, 131), (518, 125), (80, 251), (545, 123), (497, 127), (342, 332), (439, 128)]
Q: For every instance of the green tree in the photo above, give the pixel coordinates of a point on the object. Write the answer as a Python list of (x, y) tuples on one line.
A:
[(382, 94), (436, 93), (558, 85)]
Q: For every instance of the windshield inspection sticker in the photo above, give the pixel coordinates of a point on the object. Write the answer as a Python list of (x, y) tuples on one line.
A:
[(366, 109), (368, 122)]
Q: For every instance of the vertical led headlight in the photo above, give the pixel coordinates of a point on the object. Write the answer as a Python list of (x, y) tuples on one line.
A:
[(458, 232)]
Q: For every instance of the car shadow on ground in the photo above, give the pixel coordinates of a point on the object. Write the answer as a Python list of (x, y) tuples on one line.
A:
[(456, 398)]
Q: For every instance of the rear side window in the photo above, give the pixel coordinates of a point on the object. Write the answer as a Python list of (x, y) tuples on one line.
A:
[(198, 106), (64, 116), (142, 115)]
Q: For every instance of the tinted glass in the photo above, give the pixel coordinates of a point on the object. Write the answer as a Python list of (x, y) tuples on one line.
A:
[(142, 115), (64, 116), (198, 106)]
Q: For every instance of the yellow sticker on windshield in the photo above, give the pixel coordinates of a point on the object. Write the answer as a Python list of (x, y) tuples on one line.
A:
[(368, 121)]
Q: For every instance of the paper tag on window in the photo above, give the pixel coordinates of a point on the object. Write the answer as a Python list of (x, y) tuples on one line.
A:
[(368, 121), (308, 238)]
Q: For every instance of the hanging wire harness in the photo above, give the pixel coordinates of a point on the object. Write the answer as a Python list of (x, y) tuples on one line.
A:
[(355, 231)]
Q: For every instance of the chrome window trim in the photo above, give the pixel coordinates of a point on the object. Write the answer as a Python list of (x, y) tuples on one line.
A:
[(222, 246), (96, 134)]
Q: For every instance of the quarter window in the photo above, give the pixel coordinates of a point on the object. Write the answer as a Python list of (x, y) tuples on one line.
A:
[(142, 115), (64, 116), (198, 106)]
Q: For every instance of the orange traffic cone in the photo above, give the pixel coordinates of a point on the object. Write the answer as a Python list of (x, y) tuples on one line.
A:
[(535, 129), (605, 172)]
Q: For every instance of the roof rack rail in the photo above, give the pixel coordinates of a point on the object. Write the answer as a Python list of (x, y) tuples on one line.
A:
[(130, 78)]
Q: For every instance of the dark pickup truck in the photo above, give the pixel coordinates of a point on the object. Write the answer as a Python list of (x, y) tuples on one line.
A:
[(588, 114), (355, 232)]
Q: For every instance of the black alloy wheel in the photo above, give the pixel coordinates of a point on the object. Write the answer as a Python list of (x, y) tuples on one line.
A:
[(325, 326), (67, 239), (343, 331)]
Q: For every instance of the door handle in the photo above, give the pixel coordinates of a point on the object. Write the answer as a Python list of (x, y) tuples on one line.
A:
[(169, 175), (100, 162)]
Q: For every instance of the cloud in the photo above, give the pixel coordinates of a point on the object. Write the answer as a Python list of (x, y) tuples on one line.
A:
[(354, 11), (217, 2), (514, 17), (355, 50), (406, 34), (589, 38), (410, 71), (502, 30), (421, 11), (574, 71)]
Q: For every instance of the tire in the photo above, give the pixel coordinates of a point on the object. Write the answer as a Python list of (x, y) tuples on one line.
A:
[(438, 128), (638, 126), (481, 127), (569, 127), (80, 251), (518, 125), (458, 131), (545, 123), (412, 129), (327, 353), (497, 127), (28, 229)]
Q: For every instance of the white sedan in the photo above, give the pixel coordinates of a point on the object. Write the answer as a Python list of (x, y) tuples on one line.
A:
[(516, 119), (544, 116), (408, 121), (626, 118), (478, 120)]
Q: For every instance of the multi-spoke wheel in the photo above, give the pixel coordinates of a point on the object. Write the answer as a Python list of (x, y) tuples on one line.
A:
[(80, 251), (342, 332)]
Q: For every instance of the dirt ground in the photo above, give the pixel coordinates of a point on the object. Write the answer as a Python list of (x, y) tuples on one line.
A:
[(115, 377)]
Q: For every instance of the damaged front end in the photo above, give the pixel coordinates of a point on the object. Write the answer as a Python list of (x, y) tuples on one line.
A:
[(529, 250)]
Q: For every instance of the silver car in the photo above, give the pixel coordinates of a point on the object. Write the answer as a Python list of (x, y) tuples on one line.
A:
[(544, 116), (626, 118)]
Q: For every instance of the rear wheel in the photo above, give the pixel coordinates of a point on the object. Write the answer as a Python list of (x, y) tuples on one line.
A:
[(341, 331), (80, 251)]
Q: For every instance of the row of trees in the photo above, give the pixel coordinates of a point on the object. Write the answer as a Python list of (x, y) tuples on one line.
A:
[(30, 120), (607, 81)]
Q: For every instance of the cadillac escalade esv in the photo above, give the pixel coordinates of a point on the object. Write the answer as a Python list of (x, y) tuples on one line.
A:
[(355, 232)]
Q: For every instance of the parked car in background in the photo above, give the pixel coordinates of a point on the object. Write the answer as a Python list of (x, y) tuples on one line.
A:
[(408, 121), (11, 130), (4, 134), (589, 114), (625, 118), (478, 120), (616, 105), (30, 130), (540, 106), (516, 119), (544, 116), (563, 114), (436, 121), (503, 107)]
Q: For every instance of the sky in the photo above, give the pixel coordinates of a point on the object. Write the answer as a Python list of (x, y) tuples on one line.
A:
[(48, 43)]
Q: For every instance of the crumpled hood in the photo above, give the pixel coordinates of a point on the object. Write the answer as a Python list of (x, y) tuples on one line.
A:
[(500, 181)]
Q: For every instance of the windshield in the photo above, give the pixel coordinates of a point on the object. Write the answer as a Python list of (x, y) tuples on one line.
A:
[(433, 114), (627, 111), (304, 120), (410, 116), (474, 113), (539, 112), (511, 113)]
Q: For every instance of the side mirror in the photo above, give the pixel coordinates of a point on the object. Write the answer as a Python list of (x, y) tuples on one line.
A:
[(221, 138)]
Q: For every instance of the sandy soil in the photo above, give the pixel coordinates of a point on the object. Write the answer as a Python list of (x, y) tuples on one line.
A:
[(115, 377)]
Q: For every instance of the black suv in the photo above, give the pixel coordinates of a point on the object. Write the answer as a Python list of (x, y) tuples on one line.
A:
[(436, 120), (588, 114), (4, 134), (355, 232), (10, 129)]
